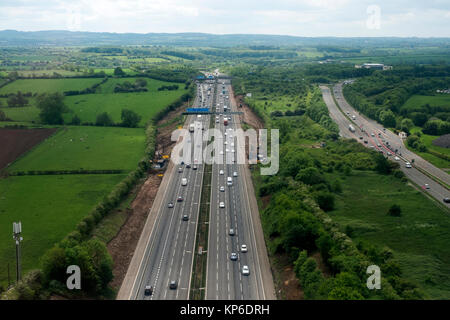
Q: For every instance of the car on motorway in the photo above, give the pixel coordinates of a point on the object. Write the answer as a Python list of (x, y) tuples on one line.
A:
[(361, 137), (229, 181), (446, 200), (372, 135), (366, 142), (231, 232), (173, 285), (233, 256), (188, 165), (180, 169), (245, 270), (194, 168), (221, 172), (184, 182), (221, 152), (227, 150), (244, 248), (170, 205), (221, 204), (408, 165), (222, 189), (426, 186), (235, 174), (396, 158), (185, 217), (148, 291), (389, 154), (180, 199)]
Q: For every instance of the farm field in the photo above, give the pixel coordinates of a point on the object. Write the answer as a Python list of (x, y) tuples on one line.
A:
[(419, 238), (48, 85), (15, 142), (418, 101), (146, 104), (41, 204), (23, 114), (40, 73), (428, 142), (88, 148), (152, 84)]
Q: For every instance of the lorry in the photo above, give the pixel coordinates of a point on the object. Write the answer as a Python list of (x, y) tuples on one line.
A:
[(351, 128)]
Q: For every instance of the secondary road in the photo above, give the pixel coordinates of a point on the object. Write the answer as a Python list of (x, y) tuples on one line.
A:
[(225, 278), (372, 135), (166, 247)]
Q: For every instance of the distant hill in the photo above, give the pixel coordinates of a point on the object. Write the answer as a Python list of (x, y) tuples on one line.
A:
[(69, 38)]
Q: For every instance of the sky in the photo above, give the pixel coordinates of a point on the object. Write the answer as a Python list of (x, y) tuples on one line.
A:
[(310, 18)]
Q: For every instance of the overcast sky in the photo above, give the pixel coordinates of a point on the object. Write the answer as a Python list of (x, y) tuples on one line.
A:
[(346, 18)]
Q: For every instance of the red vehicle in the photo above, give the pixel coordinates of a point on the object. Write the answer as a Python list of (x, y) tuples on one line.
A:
[(225, 121)]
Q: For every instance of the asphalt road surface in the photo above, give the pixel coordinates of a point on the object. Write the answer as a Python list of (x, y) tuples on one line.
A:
[(166, 248), (225, 278), (168, 254), (375, 137)]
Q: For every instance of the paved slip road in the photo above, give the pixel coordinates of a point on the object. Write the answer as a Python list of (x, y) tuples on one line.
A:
[(225, 280), (383, 141), (165, 249)]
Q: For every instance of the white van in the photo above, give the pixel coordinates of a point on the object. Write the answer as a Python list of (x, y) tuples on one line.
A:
[(229, 181), (184, 182)]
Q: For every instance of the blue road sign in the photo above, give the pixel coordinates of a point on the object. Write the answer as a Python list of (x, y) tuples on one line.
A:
[(197, 109)]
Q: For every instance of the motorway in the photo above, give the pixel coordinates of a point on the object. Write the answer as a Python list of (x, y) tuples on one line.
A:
[(384, 141), (225, 279), (166, 248), (167, 254)]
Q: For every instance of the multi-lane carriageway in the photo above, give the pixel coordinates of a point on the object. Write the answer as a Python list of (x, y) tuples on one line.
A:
[(385, 142), (166, 248)]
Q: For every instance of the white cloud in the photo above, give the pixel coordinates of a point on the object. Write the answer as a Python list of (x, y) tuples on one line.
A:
[(294, 17)]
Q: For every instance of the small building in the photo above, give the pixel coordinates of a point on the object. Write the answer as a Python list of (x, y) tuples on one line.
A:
[(376, 66), (402, 135)]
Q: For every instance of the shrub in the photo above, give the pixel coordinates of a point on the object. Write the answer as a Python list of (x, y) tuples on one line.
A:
[(395, 211), (104, 120), (325, 200)]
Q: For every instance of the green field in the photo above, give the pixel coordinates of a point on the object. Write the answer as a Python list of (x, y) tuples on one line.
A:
[(39, 73), (24, 114), (146, 104), (41, 203), (417, 101), (88, 148), (428, 142), (152, 84), (419, 238), (48, 85)]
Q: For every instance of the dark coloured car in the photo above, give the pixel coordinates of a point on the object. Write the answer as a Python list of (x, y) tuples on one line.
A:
[(194, 168), (233, 256), (148, 290), (185, 217), (173, 285), (180, 198), (447, 200)]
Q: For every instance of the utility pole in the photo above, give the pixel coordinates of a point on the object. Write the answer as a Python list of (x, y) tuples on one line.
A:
[(17, 230)]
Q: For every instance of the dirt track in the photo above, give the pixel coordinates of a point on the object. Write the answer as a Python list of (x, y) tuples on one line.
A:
[(16, 142)]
